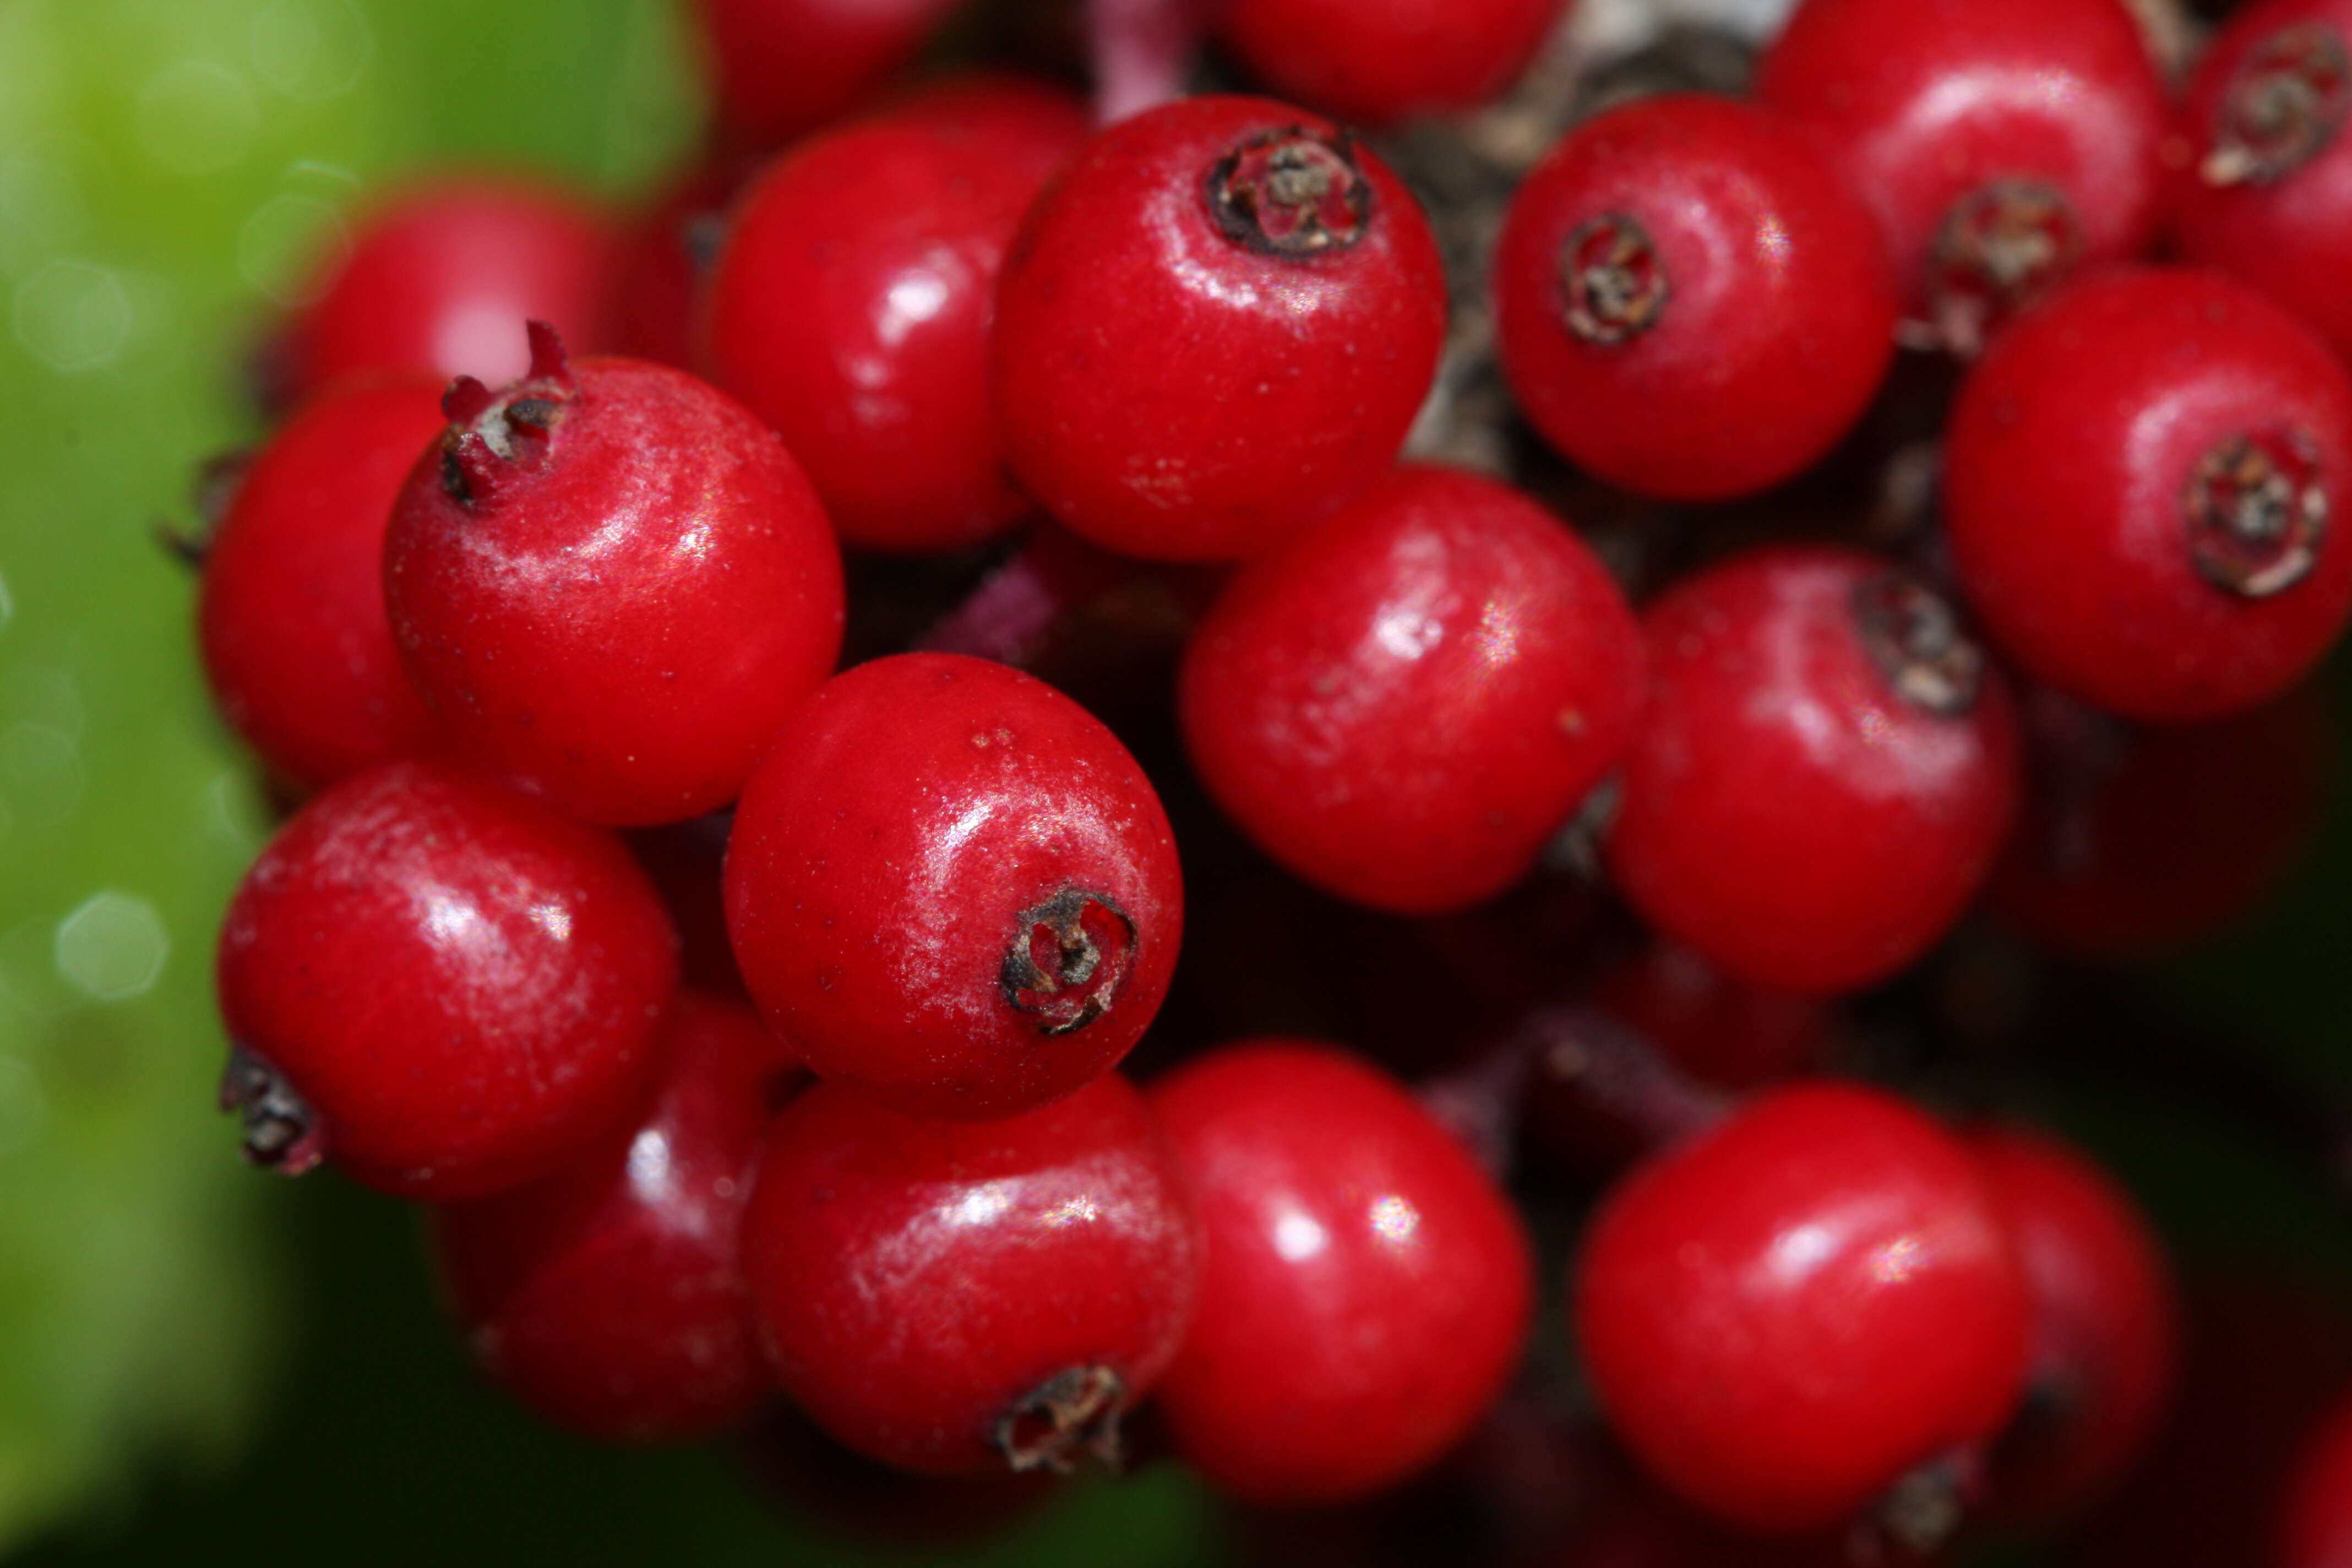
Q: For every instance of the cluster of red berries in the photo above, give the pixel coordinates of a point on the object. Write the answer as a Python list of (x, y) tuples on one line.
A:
[(546, 652)]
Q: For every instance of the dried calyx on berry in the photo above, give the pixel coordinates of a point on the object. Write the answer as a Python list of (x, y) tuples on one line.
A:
[(493, 434), (1291, 193), (2285, 103)]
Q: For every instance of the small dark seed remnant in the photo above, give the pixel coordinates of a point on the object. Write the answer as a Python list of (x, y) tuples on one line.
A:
[(1291, 193), (1999, 248), (1915, 637), (1075, 1409), (1067, 961), (280, 1130), (1613, 280), (2285, 101), (2257, 509)]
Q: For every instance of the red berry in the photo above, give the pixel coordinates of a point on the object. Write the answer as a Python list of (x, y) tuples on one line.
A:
[(667, 255), (1825, 771), (2106, 1327), (1376, 61), (609, 1296), (2314, 1516), (1787, 1314), (851, 305), (1405, 704), (2001, 143), (953, 888), (612, 583), (291, 621), (957, 1298), (446, 988), (441, 277), (1214, 325), (1689, 302), (782, 67), (2140, 480), (2265, 192), (1367, 1287), (1711, 1026)]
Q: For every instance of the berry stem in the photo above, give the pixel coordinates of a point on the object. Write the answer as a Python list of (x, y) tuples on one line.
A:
[(1009, 614), (1142, 51)]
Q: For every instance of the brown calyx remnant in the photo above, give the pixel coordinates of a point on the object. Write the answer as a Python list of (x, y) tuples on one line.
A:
[(493, 435), (1613, 279), (2257, 513), (1068, 959), (1915, 637), (1292, 192), (280, 1128), (1999, 248), (1076, 1408), (2283, 103)]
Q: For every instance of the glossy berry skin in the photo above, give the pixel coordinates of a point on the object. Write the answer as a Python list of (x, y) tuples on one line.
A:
[(850, 310), (953, 888), (2270, 201), (1785, 1314), (1824, 775), (1186, 366), (962, 1297), (2001, 143), (2313, 1519), (1405, 703), (1373, 64), (2139, 482), (290, 617), (779, 68), (1366, 1286), (2106, 1328), (441, 276), (457, 988), (609, 1296), (612, 583), (1689, 302)]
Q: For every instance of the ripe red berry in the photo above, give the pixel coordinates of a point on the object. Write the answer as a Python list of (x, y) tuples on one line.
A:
[(1403, 705), (2106, 1325), (1385, 60), (609, 1296), (777, 67), (960, 1298), (2314, 1525), (1214, 325), (290, 620), (1366, 1288), (446, 989), (666, 255), (612, 583), (441, 277), (2140, 480), (1688, 300), (2001, 143), (1824, 775), (850, 308), (1789, 1312), (2264, 192), (953, 888)]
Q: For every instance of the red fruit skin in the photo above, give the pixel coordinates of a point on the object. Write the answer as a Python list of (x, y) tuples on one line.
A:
[(1172, 394), (1786, 813), (665, 257), (441, 276), (289, 618), (1374, 62), (2314, 1514), (461, 984), (782, 67), (609, 1298), (1403, 705), (1367, 1287), (2287, 235), (850, 308), (2068, 458), (899, 841), (1709, 1024), (1785, 1314), (1922, 102), (621, 623), (1778, 321), (918, 1281), (2107, 1324)]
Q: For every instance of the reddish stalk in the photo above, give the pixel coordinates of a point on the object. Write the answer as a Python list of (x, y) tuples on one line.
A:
[(1008, 618)]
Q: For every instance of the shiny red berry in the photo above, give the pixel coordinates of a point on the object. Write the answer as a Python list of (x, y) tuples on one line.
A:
[(1406, 703), (1214, 325), (953, 888), (612, 583), (1688, 300), (442, 276), (1366, 1286), (1377, 61), (445, 988), (609, 1298), (851, 304), (2001, 143), (2142, 482), (777, 67), (2314, 1523), (1789, 1313), (291, 619), (959, 1297), (1826, 769)]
